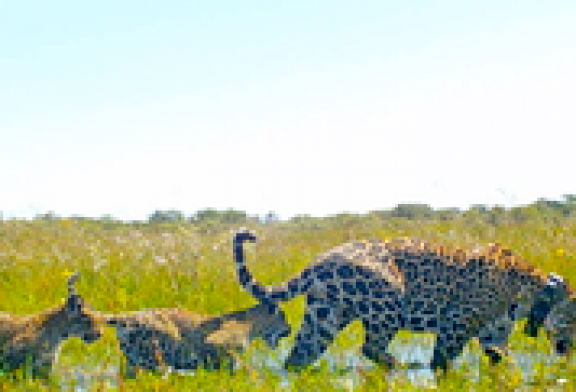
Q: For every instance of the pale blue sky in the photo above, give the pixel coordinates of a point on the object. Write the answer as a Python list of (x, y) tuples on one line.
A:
[(318, 107)]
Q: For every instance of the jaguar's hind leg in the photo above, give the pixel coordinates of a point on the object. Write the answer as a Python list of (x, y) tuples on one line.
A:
[(377, 338), (321, 323)]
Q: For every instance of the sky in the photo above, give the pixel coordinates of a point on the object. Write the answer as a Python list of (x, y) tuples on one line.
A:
[(302, 107)]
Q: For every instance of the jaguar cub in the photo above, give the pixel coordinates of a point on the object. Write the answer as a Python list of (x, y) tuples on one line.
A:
[(157, 339), (32, 342)]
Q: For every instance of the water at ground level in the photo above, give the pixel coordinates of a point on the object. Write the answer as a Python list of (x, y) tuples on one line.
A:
[(344, 364)]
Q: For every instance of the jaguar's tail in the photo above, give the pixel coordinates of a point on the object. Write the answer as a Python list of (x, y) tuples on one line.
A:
[(265, 294)]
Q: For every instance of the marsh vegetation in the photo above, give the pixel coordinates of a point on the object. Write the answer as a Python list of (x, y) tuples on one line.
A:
[(177, 261)]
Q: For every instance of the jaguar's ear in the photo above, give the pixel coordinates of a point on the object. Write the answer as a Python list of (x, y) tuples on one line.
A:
[(555, 280), (556, 289)]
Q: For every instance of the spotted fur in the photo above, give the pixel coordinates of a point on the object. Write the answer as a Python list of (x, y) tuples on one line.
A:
[(560, 325), (494, 336), (171, 338), (400, 284), (32, 342)]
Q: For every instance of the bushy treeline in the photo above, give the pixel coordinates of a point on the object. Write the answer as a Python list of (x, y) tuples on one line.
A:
[(542, 209)]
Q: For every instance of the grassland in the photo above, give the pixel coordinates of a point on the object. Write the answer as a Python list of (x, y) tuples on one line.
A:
[(130, 267)]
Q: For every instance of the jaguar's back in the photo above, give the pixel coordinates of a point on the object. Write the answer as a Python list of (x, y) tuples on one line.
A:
[(180, 339)]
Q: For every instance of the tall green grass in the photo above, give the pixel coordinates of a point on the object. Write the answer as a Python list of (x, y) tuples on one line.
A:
[(126, 267)]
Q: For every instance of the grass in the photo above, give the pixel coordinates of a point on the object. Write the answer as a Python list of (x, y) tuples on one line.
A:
[(128, 267)]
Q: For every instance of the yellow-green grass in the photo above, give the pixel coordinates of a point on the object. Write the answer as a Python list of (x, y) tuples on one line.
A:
[(127, 267)]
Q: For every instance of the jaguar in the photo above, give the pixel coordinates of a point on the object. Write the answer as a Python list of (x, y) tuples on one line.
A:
[(32, 342), (171, 338), (405, 284)]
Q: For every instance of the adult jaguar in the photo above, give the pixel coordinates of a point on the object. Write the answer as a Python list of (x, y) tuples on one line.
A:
[(403, 283)]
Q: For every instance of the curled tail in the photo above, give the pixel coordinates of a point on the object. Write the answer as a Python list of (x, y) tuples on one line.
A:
[(270, 294), (71, 281)]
